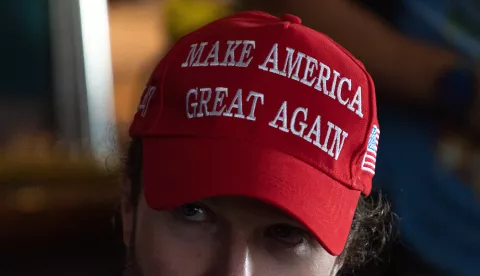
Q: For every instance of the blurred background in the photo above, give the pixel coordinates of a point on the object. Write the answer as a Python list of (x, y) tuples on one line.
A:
[(72, 73)]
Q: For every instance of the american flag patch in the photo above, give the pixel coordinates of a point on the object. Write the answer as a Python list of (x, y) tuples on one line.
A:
[(370, 157)]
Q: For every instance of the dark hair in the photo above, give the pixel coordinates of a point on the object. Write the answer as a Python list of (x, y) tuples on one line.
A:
[(371, 228)]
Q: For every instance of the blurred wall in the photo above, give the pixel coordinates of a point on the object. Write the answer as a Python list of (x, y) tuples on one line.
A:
[(25, 73)]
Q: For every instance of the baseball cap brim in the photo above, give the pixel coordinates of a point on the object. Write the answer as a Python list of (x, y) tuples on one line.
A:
[(179, 170)]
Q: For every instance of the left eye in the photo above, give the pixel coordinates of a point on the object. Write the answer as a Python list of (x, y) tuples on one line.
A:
[(287, 234)]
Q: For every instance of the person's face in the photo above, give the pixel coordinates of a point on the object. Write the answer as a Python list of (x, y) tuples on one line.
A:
[(224, 236)]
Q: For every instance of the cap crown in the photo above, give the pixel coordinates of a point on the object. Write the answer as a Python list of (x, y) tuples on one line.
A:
[(256, 78)]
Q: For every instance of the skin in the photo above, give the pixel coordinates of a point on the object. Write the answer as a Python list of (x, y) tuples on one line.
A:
[(222, 236)]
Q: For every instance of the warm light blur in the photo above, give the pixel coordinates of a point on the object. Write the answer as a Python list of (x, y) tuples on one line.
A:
[(138, 39)]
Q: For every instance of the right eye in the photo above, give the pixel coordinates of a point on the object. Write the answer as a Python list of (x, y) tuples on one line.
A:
[(194, 212)]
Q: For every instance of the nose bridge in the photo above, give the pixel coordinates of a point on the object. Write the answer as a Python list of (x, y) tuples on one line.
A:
[(235, 256), (240, 261)]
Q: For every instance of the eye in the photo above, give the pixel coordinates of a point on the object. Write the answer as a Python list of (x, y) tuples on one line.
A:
[(287, 234), (194, 212)]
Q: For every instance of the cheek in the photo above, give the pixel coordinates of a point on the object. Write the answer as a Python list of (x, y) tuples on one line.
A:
[(324, 264), (315, 264), (302, 260), (164, 250), (312, 262)]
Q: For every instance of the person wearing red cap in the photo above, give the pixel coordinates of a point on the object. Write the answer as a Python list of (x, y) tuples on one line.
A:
[(424, 58), (253, 147)]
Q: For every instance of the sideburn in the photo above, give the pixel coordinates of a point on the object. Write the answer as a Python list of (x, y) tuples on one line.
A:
[(133, 166), (131, 265)]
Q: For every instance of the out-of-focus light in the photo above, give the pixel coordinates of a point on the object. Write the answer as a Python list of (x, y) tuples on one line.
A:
[(30, 200), (98, 75)]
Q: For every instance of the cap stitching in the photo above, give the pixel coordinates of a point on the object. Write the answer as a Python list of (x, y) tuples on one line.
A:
[(358, 154)]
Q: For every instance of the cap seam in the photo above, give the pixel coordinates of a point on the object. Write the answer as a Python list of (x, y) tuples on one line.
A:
[(358, 155)]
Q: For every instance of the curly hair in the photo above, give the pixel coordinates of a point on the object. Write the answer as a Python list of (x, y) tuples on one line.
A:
[(371, 230)]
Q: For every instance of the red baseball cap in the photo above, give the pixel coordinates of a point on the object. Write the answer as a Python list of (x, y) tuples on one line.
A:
[(263, 107)]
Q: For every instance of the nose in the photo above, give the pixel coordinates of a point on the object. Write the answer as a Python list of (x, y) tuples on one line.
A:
[(240, 262)]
